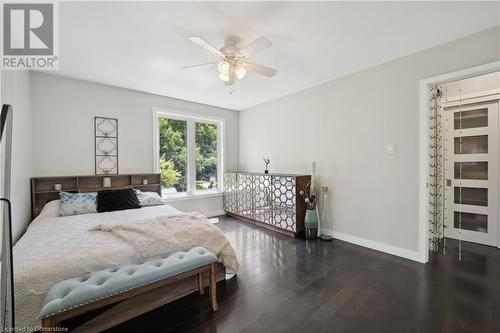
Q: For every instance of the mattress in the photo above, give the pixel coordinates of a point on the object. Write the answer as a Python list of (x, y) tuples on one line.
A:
[(55, 248)]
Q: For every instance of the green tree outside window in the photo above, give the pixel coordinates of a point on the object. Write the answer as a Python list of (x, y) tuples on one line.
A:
[(173, 154)]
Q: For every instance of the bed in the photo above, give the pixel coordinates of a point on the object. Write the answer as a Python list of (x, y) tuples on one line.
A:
[(57, 248)]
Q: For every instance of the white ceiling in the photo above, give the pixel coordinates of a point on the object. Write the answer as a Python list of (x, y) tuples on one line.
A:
[(143, 46)]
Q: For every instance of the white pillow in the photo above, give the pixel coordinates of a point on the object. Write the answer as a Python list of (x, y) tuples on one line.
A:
[(51, 209), (149, 198)]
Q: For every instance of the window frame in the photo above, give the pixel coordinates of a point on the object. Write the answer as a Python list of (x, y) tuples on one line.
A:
[(190, 119)]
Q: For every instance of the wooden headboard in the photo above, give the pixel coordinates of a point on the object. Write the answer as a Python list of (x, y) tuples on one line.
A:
[(42, 188)]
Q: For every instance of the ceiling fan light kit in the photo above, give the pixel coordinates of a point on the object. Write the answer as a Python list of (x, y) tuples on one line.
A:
[(240, 72), (224, 67), (233, 61), (224, 77)]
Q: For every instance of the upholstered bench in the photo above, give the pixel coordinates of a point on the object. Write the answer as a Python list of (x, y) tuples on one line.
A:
[(76, 296)]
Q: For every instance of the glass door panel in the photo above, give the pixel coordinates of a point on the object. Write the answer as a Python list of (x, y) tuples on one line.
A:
[(471, 119), (471, 170), (471, 196), (471, 221), (477, 144)]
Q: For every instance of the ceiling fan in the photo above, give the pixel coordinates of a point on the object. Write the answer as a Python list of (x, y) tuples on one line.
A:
[(233, 60)]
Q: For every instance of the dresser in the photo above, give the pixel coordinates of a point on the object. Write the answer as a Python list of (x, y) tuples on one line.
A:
[(268, 200)]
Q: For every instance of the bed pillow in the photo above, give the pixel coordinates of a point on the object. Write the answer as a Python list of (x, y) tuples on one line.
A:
[(149, 198), (77, 203), (50, 210), (111, 200)]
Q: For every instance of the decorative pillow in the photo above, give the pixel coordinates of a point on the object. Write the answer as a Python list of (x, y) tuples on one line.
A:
[(149, 198), (77, 203), (111, 200)]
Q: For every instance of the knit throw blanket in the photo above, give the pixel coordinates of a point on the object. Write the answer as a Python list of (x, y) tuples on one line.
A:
[(184, 232)]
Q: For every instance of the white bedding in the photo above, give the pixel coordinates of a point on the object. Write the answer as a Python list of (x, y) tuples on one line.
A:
[(54, 249)]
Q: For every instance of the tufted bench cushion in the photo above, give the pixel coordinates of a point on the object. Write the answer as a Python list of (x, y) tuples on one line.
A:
[(77, 292)]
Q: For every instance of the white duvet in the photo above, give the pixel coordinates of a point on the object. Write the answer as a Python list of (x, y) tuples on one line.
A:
[(54, 249)]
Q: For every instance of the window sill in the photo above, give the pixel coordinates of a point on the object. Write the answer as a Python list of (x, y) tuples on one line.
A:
[(191, 196)]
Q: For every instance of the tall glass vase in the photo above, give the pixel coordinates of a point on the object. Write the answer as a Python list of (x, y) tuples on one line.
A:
[(326, 226), (311, 219)]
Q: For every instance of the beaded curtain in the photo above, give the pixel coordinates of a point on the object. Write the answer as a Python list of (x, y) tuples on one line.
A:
[(436, 169)]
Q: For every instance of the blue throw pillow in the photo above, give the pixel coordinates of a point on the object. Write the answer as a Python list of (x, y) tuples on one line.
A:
[(149, 198), (77, 203)]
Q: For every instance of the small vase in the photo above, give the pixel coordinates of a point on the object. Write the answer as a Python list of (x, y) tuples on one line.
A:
[(311, 224)]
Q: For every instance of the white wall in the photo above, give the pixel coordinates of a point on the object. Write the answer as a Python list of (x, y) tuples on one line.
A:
[(16, 90), (344, 125), (64, 111)]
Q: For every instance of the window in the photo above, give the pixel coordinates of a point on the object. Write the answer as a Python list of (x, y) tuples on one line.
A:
[(188, 153), (173, 155), (206, 156)]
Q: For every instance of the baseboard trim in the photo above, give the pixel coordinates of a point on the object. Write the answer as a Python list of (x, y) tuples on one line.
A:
[(394, 250), (216, 213)]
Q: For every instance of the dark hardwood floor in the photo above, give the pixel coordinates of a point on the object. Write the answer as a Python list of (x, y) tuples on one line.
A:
[(293, 285)]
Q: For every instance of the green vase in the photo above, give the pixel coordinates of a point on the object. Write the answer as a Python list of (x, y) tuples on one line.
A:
[(311, 223)]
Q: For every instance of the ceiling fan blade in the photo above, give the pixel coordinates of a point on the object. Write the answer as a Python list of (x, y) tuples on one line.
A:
[(206, 45), (200, 65), (259, 44), (263, 70), (230, 82)]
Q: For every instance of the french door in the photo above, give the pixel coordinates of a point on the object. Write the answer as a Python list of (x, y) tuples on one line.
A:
[(471, 172)]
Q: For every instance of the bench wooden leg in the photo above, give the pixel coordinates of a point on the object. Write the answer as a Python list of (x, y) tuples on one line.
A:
[(213, 286), (50, 324), (201, 288)]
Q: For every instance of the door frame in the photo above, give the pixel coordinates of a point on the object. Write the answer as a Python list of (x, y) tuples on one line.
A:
[(423, 109)]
